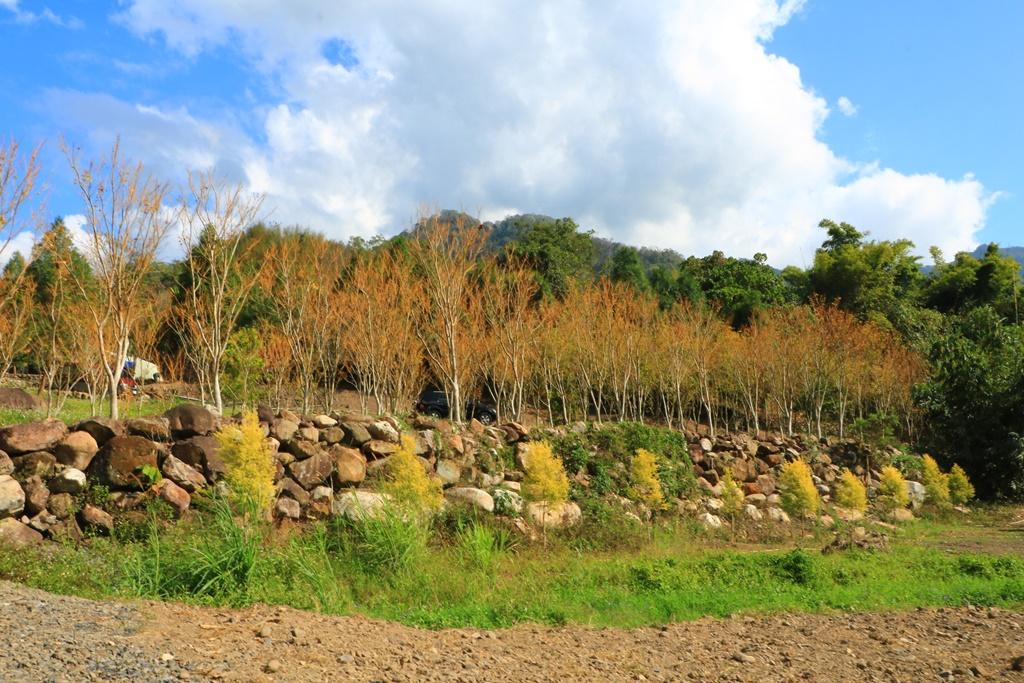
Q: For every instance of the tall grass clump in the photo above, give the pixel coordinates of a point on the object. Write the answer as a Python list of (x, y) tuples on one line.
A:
[(892, 490), (960, 488), (936, 484), (851, 493), (226, 557), (645, 487), (545, 478), (797, 494), (250, 464)]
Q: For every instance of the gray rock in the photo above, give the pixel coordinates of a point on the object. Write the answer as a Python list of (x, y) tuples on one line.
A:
[(31, 436), (557, 516), (470, 496), (710, 521), (288, 508), (12, 497), (916, 492), (152, 428), (355, 434), (6, 464), (382, 430), (507, 503), (358, 504), (288, 488), (70, 480), (76, 450), (449, 472)]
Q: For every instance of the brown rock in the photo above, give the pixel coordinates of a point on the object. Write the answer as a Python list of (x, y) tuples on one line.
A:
[(101, 429), (16, 534), (40, 463), (117, 464), (332, 435), (36, 495), (454, 443), (66, 531), (20, 399), (96, 521), (201, 453), (766, 483), (6, 465), (309, 433), (302, 448), (283, 429), (76, 450), (288, 508), (382, 430), (31, 436), (177, 497), (711, 477), (288, 488), (152, 428), (750, 488), (355, 433), (189, 419), (349, 466), (379, 449), (312, 472), (183, 475)]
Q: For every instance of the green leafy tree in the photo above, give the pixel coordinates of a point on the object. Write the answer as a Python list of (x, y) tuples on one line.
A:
[(738, 287), (974, 401), (626, 267), (969, 282), (558, 251)]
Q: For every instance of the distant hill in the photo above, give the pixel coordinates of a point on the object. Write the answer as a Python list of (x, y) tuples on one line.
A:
[(1016, 253)]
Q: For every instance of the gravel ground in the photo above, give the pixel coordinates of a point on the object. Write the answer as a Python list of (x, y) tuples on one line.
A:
[(45, 637)]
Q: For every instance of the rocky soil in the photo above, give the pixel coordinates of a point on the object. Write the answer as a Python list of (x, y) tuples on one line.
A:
[(44, 637)]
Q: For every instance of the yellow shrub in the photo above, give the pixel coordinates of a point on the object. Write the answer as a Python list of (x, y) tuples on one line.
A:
[(892, 489), (646, 487), (797, 494), (249, 461), (960, 488), (732, 494), (545, 476), (850, 492), (936, 484), (408, 483)]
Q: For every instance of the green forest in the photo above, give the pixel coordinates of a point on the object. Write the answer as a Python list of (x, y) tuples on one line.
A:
[(532, 313)]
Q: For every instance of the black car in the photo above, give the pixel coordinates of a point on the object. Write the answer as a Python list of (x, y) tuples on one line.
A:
[(435, 404)]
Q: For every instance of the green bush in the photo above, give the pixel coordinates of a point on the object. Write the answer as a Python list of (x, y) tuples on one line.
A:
[(408, 484), (645, 486), (545, 476), (250, 464)]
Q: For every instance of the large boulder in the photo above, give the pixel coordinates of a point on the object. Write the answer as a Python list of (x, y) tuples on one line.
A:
[(152, 428), (507, 503), (174, 495), (14, 533), (312, 472), (32, 436), (355, 434), (61, 505), (349, 466), (302, 448), (556, 516), (375, 449), (383, 431), (76, 450), (95, 521), (6, 464), (448, 471), (12, 497), (283, 429), (38, 464), (20, 399), (188, 419), (288, 488), (201, 453), (470, 496), (102, 429), (332, 435), (358, 504), (117, 465)]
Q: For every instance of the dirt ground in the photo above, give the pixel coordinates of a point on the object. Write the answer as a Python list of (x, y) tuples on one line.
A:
[(52, 638)]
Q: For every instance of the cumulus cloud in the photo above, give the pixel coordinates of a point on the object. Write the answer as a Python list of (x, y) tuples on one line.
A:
[(666, 124), (847, 107)]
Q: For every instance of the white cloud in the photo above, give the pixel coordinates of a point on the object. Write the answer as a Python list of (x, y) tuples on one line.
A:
[(666, 124), (26, 17), (847, 107)]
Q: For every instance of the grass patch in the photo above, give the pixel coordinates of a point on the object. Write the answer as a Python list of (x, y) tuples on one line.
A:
[(466, 571), (78, 409)]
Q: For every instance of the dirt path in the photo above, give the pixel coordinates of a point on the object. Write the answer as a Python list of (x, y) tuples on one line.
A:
[(51, 638)]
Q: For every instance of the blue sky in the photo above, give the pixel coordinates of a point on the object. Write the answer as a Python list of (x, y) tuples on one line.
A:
[(735, 125)]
